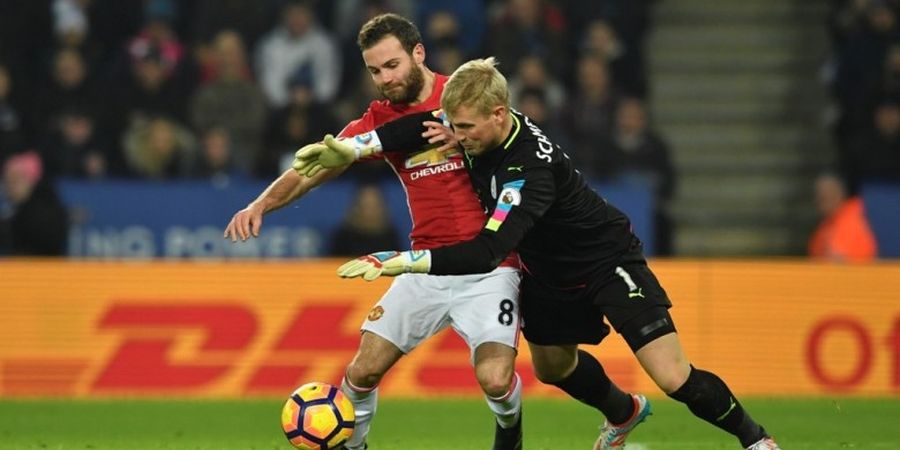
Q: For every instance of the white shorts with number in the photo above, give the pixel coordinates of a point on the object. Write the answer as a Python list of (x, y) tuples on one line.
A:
[(480, 308)]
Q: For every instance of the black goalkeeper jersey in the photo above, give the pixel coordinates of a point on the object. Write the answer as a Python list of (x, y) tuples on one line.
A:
[(538, 205)]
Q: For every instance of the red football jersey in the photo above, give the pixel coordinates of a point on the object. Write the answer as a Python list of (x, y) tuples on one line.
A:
[(442, 203)]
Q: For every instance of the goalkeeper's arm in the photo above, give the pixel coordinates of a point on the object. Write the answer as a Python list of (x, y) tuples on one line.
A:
[(406, 134), (400, 135)]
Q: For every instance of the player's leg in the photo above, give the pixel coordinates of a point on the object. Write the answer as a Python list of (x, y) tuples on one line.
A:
[(496, 373), (485, 313), (554, 322), (408, 313), (704, 393), (376, 355), (579, 374), (638, 308)]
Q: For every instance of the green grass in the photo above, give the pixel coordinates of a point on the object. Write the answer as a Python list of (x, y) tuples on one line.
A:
[(865, 424)]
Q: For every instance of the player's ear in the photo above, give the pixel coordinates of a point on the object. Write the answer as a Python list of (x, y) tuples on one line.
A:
[(499, 113), (418, 53)]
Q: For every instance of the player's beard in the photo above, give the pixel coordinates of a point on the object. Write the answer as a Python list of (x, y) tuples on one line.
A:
[(409, 89)]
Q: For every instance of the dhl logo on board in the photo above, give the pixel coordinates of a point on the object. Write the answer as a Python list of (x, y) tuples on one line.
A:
[(245, 329)]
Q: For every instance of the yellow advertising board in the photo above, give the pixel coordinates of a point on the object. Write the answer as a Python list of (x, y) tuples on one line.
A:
[(83, 328)]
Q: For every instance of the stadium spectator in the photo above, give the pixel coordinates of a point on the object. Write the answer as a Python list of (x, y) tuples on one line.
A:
[(588, 117), (299, 41), (447, 58), (890, 87), (150, 90), (860, 66), (215, 161), (249, 19), (230, 99), (70, 23), (159, 35), (533, 103), (74, 27), (846, 18), (450, 14), (355, 101), (26, 31), (302, 121), (635, 154), (367, 227), (159, 148), (69, 87), (529, 27), (74, 148), (875, 154), (38, 223), (844, 234), (350, 15), (155, 75), (442, 29), (111, 24), (630, 20), (12, 132), (624, 63), (532, 74), (443, 32)]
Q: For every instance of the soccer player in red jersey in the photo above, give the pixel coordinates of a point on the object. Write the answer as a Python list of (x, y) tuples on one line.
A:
[(483, 308)]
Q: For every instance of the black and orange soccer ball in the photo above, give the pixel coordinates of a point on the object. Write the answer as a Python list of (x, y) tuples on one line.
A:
[(318, 416)]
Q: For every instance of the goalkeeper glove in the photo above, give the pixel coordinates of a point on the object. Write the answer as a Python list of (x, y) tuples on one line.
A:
[(335, 152), (304, 158), (390, 263)]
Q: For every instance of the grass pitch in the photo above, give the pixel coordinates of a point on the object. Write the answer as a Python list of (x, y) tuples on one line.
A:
[(821, 424)]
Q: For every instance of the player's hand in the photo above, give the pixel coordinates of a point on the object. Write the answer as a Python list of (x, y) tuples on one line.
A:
[(306, 159), (339, 153), (391, 263), (245, 223), (328, 154), (439, 132)]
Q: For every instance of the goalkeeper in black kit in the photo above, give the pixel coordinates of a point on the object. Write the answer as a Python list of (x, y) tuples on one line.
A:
[(580, 258)]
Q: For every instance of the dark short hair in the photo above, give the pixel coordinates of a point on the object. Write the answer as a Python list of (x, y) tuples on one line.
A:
[(385, 25)]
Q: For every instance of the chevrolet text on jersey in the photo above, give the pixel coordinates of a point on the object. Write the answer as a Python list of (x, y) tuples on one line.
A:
[(452, 165)]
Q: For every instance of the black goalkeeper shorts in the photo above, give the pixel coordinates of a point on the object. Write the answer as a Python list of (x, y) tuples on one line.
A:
[(633, 302)]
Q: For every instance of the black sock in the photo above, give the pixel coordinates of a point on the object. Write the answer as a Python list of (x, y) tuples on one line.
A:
[(589, 384), (709, 398)]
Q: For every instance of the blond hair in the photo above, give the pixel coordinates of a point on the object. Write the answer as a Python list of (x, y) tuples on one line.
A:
[(477, 84)]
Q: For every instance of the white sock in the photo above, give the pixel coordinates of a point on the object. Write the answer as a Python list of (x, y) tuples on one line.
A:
[(365, 402), (507, 407)]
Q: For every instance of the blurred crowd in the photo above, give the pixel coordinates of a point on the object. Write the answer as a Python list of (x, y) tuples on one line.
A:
[(229, 89), (864, 74)]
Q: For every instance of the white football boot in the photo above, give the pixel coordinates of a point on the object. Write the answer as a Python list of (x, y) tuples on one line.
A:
[(613, 436)]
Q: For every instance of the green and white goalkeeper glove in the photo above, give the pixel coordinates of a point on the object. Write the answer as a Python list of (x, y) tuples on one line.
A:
[(301, 162), (333, 152), (374, 265)]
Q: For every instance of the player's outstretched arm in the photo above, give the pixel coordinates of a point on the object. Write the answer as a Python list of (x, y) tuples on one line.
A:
[(290, 186)]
